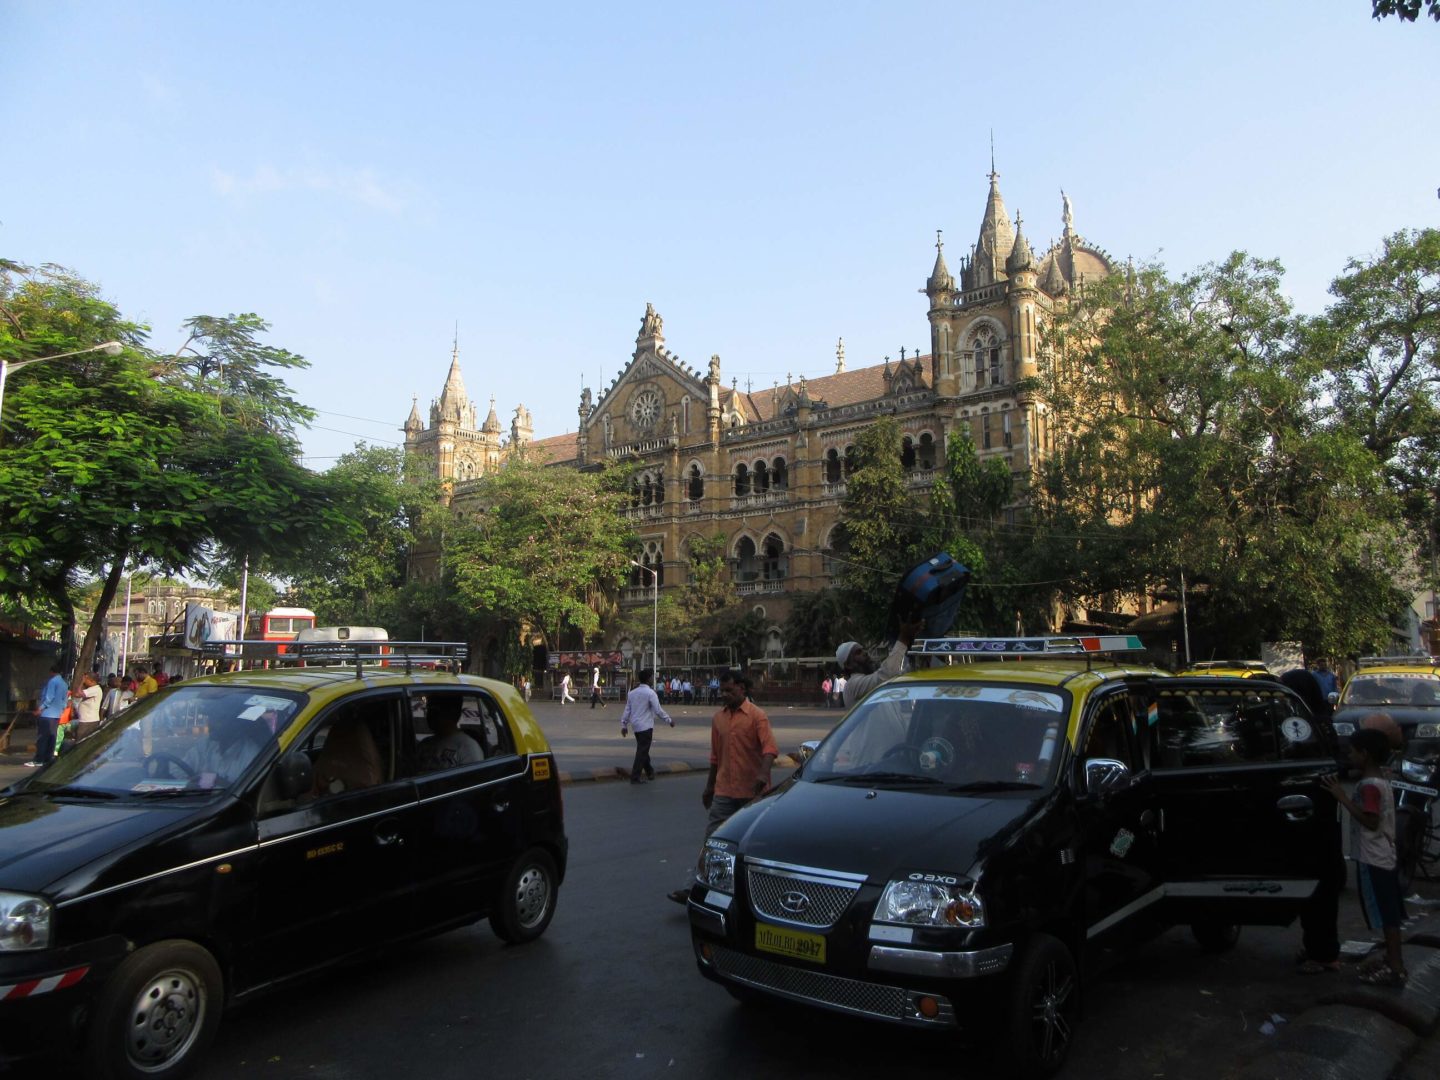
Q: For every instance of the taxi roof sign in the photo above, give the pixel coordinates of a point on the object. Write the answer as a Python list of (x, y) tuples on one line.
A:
[(1067, 645)]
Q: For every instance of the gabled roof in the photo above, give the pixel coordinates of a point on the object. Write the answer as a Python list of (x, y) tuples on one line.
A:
[(557, 449)]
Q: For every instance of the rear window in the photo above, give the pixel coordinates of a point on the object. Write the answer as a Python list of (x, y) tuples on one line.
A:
[(1398, 688)]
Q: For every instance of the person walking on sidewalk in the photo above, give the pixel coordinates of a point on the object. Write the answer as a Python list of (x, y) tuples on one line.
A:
[(742, 750), (642, 709), (565, 695), (1376, 877), (596, 698), (53, 700)]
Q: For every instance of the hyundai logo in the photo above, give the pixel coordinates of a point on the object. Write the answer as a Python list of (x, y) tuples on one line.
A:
[(795, 902)]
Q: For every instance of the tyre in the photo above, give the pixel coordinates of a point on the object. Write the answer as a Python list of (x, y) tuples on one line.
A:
[(527, 898), (1215, 937), (156, 1015), (1044, 1002)]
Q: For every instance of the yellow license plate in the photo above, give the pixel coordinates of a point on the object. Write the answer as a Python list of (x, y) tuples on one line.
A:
[(792, 943)]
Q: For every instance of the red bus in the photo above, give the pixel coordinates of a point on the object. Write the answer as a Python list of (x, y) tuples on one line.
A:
[(279, 624)]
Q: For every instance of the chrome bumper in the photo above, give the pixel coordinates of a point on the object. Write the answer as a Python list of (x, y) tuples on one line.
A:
[(941, 965)]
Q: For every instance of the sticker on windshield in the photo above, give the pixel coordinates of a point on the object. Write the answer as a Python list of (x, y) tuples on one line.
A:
[(1295, 729), (1120, 846), (1033, 699)]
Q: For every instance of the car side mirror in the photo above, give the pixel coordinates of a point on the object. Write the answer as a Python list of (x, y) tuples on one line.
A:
[(1104, 775), (808, 747), (294, 775)]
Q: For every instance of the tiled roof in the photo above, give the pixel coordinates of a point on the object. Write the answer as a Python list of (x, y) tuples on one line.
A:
[(558, 449), (844, 388)]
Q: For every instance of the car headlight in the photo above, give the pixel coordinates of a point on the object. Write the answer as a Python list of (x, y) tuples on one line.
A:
[(917, 902), (1415, 770), (1427, 731), (1344, 728), (717, 866), (24, 922)]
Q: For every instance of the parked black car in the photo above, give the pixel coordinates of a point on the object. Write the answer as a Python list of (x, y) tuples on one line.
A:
[(953, 852)]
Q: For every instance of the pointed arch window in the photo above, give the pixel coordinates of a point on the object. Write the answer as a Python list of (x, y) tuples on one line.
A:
[(985, 352), (696, 486), (779, 475), (742, 479), (775, 563), (907, 454), (760, 478), (925, 451), (833, 466), (746, 565)]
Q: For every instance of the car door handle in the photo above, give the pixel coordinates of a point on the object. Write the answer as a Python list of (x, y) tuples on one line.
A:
[(1296, 807), (388, 835)]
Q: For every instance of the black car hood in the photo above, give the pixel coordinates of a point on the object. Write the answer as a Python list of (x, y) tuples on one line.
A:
[(878, 832), (44, 839)]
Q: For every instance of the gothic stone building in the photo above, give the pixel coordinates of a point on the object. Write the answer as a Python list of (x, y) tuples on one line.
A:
[(767, 468)]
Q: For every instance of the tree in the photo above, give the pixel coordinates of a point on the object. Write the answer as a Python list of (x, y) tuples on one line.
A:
[(1405, 10), (354, 572), (1193, 447), (818, 622), (529, 543), (113, 460)]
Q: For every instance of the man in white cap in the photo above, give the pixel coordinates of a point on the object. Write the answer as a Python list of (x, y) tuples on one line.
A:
[(861, 675)]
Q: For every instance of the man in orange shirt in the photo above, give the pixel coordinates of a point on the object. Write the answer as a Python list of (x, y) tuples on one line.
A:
[(742, 750)]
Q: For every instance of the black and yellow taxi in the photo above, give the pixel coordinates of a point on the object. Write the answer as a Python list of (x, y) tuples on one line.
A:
[(973, 836), (237, 831), (1241, 669)]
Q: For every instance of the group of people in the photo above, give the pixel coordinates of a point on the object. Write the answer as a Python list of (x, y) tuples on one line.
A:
[(676, 690), (90, 705)]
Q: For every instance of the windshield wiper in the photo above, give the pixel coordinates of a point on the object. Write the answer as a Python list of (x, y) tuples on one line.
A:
[(75, 792), (880, 777), (995, 785), (175, 792)]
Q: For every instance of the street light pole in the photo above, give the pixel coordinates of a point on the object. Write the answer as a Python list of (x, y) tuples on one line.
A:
[(655, 617), (109, 348)]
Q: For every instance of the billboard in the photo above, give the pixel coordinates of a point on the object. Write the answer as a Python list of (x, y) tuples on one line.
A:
[(203, 625)]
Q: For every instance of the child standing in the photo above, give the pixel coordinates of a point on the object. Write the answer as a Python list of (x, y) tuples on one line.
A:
[(1373, 807)]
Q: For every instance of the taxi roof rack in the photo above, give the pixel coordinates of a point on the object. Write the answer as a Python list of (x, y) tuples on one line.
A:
[(1060, 646), (360, 653), (1418, 659)]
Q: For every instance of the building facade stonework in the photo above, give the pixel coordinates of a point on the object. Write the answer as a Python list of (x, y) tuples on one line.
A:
[(767, 468)]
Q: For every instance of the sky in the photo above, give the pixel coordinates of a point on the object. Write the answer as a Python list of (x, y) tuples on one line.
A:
[(373, 179)]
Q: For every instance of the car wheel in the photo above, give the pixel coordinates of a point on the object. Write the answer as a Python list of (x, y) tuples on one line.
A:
[(1044, 1002), (156, 1014), (1215, 937), (527, 898)]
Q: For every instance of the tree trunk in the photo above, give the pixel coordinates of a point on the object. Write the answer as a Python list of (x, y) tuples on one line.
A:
[(97, 622), (60, 597)]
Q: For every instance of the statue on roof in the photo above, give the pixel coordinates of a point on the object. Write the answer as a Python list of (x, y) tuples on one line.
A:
[(1067, 213), (652, 324)]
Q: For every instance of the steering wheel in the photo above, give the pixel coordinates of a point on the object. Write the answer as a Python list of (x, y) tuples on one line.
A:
[(901, 753), (152, 762)]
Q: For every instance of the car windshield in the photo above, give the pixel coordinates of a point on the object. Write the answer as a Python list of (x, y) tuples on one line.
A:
[(1418, 689), (185, 740), (947, 737)]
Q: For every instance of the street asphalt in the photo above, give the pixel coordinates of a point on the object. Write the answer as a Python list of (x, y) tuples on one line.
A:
[(1341, 1029)]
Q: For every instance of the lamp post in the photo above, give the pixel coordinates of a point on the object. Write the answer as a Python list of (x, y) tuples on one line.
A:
[(655, 618), (109, 348)]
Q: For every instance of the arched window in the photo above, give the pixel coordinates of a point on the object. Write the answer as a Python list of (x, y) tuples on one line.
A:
[(907, 454), (647, 491), (986, 354), (837, 546), (742, 479), (779, 475), (776, 564), (849, 460), (832, 466), (925, 451), (697, 484), (985, 431), (659, 488), (1005, 427), (652, 557), (760, 478), (746, 565), (685, 414)]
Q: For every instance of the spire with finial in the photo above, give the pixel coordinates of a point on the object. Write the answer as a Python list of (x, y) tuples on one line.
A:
[(1021, 258), (940, 279), (413, 421), (492, 422), (840, 356), (454, 402), (996, 236)]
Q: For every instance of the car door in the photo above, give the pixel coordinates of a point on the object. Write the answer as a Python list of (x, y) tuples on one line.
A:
[(1117, 820), (470, 811), (336, 865), (1246, 829)]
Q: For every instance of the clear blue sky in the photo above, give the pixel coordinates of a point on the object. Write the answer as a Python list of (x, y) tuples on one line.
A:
[(770, 176)]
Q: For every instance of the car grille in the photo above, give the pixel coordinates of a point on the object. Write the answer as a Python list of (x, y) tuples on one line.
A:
[(817, 988), (825, 901)]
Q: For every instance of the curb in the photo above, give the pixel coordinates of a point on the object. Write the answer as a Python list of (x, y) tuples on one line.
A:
[(674, 768), (1360, 1033)]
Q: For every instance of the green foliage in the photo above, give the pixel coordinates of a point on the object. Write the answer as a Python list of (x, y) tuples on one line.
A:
[(818, 622), (530, 543), (1405, 10), (1192, 446)]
